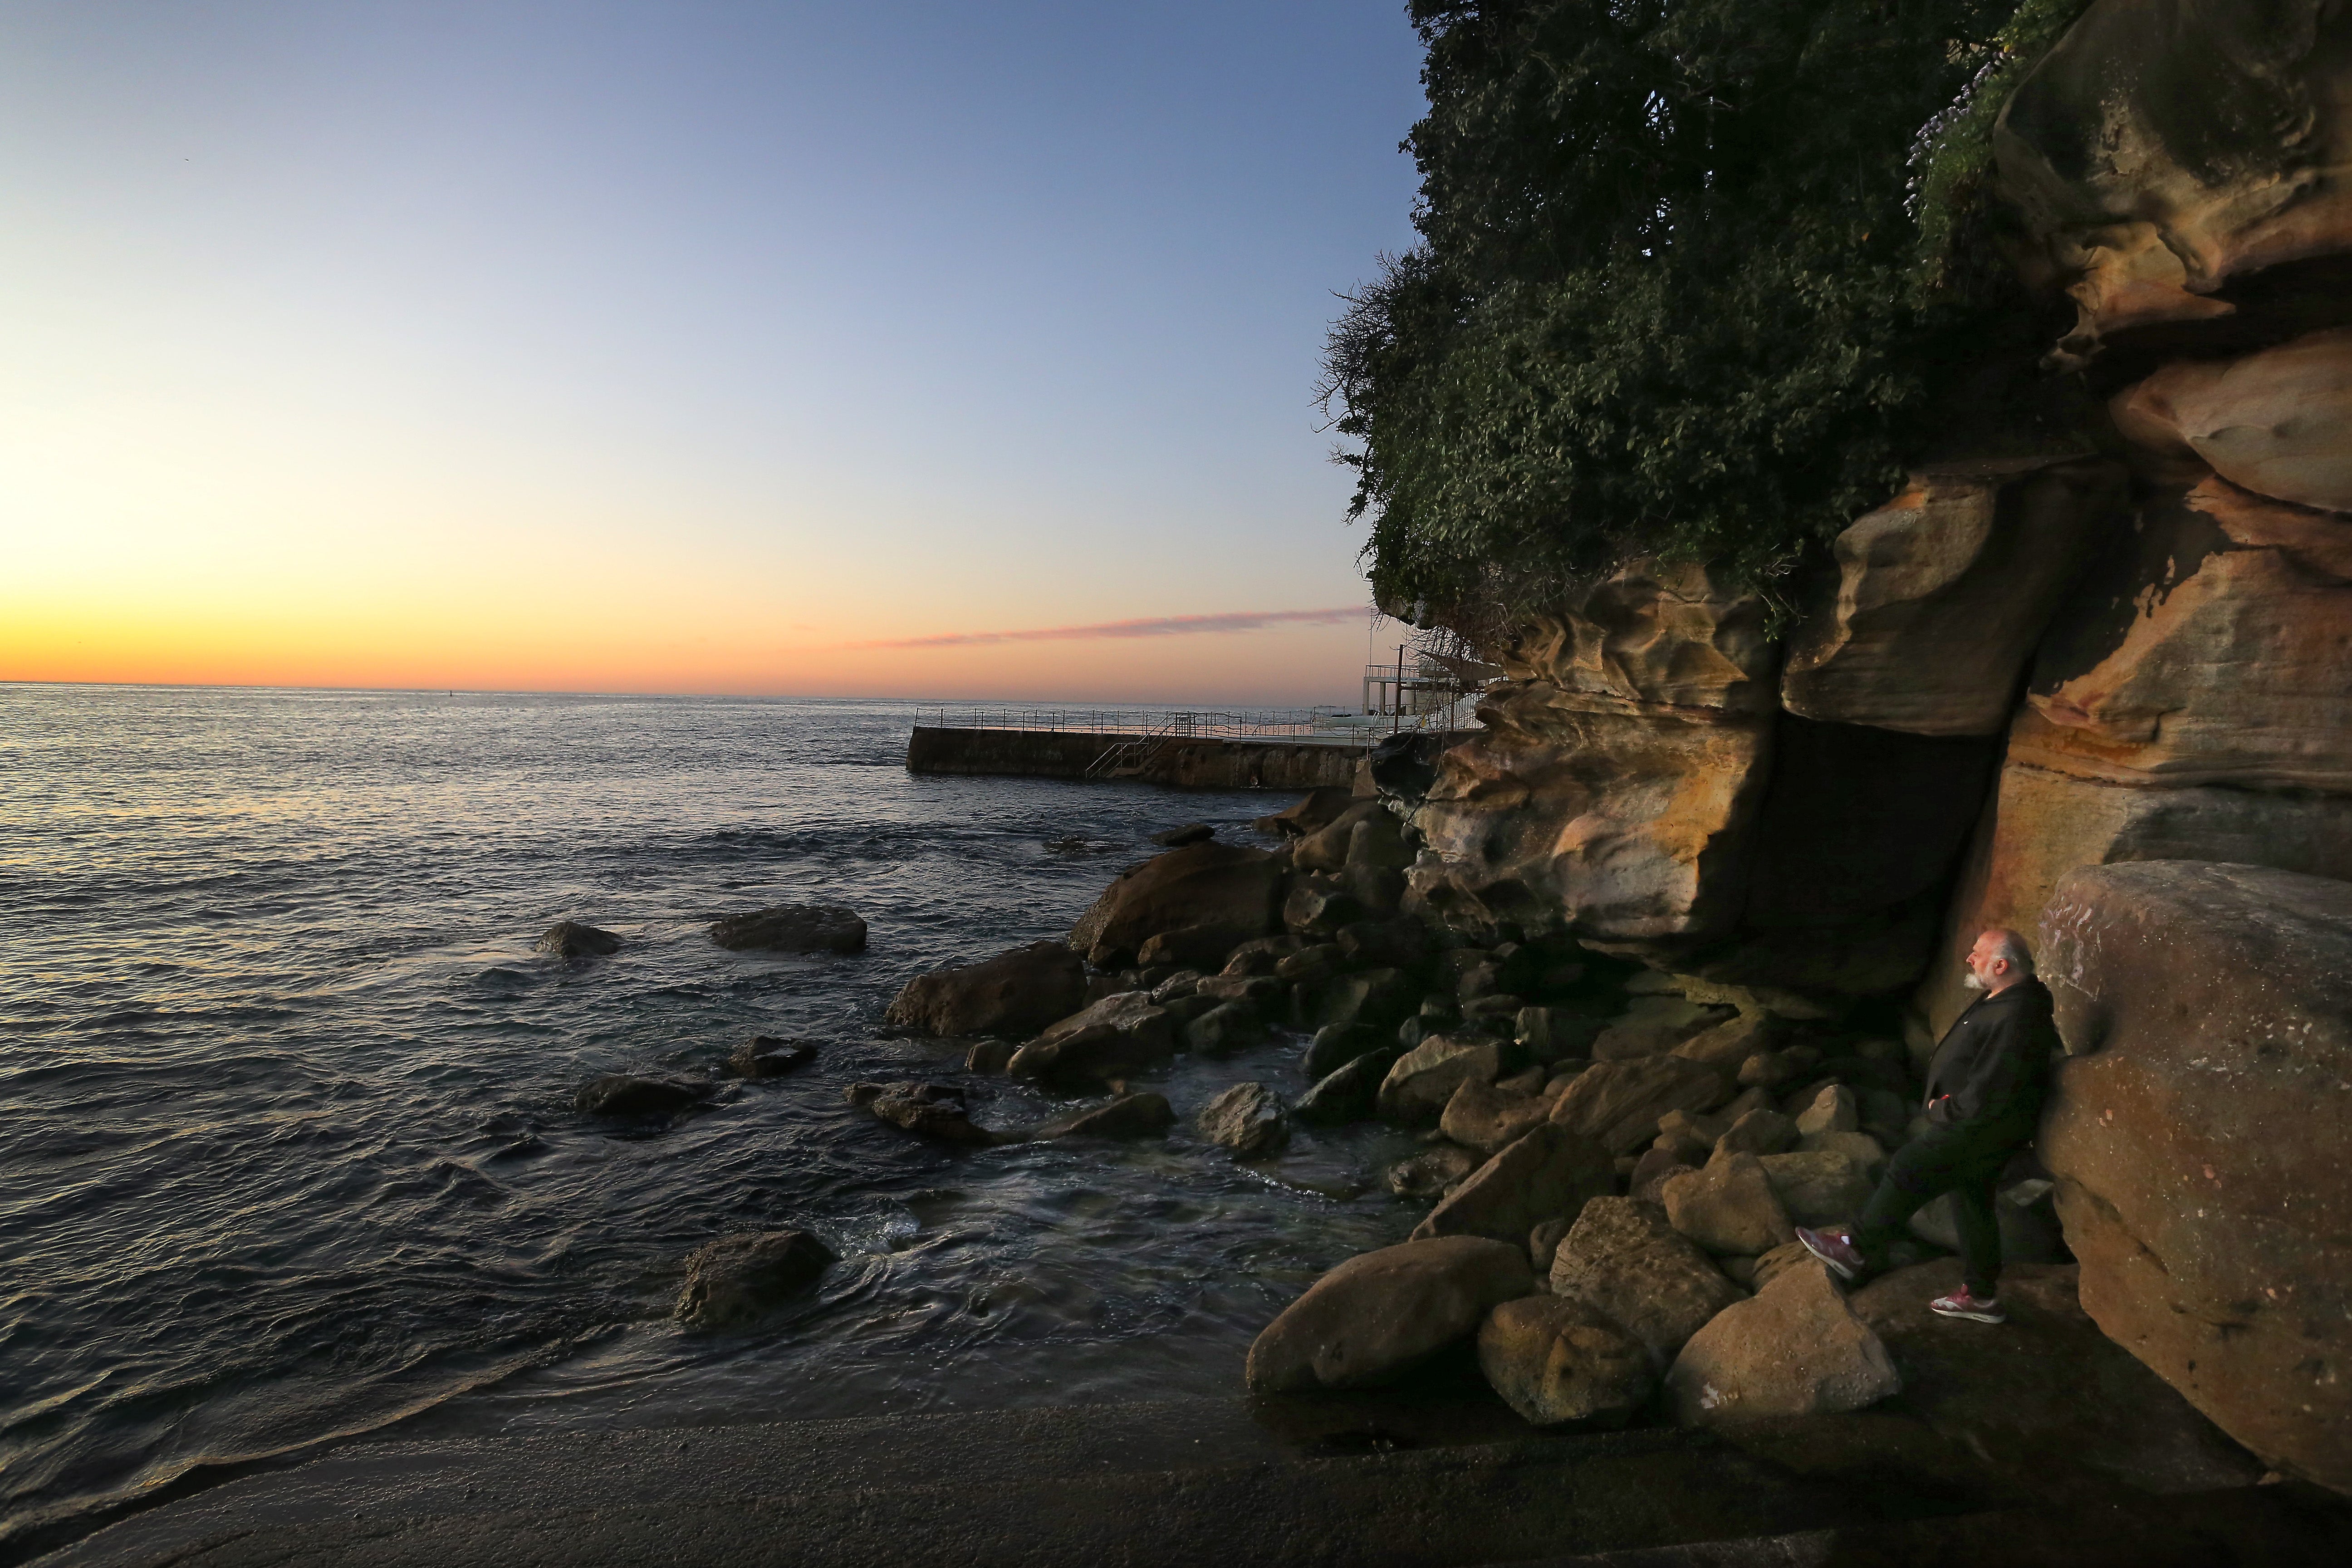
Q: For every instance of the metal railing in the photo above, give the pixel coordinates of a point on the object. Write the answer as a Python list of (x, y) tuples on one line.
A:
[(1232, 724)]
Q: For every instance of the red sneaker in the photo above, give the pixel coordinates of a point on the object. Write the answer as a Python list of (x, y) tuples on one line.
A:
[(1961, 1304), (1837, 1249)]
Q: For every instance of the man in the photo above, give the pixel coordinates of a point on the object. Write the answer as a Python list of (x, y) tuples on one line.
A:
[(1985, 1089)]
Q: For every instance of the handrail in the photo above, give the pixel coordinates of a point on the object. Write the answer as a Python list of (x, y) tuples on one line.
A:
[(1143, 724)]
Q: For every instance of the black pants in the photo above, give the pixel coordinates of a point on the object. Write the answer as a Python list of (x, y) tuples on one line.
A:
[(1962, 1160)]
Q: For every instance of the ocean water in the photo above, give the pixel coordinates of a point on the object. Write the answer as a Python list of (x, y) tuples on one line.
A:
[(287, 1150)]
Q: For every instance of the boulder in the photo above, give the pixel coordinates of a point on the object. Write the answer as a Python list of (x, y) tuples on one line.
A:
[(1728, 1206), (1326, 848), (1548, 1175), (1652, 1025), (1209, 884), (1795, 1348), (1556, 1359), (2043, 824), (764, 1055), (1315, 961), (1320, 907), (732, 1280), (2046, 1397), (1432, 1174), (1654, 1170), (1128, 1116), (1349, 1092), (1821, 1188), (927, 1109), (1247, 1118), (1336, 1044), (1385, 944), (634, 1094), (1758, 1131), (1482, 1117), (1378, 1315), (1860, 1147), (1260, 993), (793, 928), (1556, 1034), (1260, 956), (2028, 1226), (571, 939), (1015, 993), (1319, 808), (1223, 1029), (1771, 1265), (1624, 1258), (1942, 592), (1121, 1031), (2197, 1133), (1727, 1045), (1190, 833), (1543, 1242), (1835, 1108), (1423, 1080), (1203, 946), (1617, 1104), (1376, 999)]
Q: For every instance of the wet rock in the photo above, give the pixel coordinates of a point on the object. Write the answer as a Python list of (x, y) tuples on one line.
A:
[(1728, 1206), (571, 939), (1377, 1316), (734, 1280), (1548, 1175), (1556, 1359), (793, 928), (1178, 986), (1822, 1187), (1482, 1117), (1417, 1087), (1318, 809), (1190, 833), (927, 1109), (1119, 1032), (1433, 1174), (632, 1094), (1225, 1028), (1260, 956), (1349, 1092), (1203, 946), (1211, 884), (1617, 1104), (1128, 1116), (1796, 1348), (2046, 1395), (765, 1056), (1376, 999), (2197, 1133), (1624, 1258), (1315, 961), (1247, 1118), (1262, 994), (1943, 592), (1337, 1044), (1014, 993)]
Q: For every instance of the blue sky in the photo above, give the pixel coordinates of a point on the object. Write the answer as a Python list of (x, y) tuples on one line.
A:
[(693, 346)]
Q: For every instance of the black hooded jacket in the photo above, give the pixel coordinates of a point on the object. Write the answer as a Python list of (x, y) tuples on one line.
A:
[(1994, 1062)]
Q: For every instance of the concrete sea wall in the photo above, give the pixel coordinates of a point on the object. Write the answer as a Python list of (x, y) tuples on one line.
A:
[(1191, 761)]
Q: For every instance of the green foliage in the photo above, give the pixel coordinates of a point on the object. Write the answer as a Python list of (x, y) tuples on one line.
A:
[(1669, 296)]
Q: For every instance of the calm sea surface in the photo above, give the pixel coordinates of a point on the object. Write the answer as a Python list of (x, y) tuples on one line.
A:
[(286, 1149)]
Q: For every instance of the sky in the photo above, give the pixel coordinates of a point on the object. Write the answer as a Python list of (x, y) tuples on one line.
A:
[(750, 346)]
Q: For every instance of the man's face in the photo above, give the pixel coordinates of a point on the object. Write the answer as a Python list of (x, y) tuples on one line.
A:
[(1983, 965)]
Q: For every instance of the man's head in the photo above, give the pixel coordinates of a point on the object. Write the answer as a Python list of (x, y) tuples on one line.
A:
[(1999, 960)]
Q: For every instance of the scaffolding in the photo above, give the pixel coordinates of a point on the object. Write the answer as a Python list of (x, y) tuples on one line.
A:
[(1433, 684)]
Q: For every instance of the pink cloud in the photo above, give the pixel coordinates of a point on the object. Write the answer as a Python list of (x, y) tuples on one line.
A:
[(1157, 627)]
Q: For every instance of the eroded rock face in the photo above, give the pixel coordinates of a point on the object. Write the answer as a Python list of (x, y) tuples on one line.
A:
[(2277, 423), (1796, 1348), (1652, 635), (2165, 147), (1211, 884), (2197, 1133), (2214, 651), (1550, 1173), (1556, 1359), (1015, 993), (1378, 1314), (1943, 592), (732, 1280)]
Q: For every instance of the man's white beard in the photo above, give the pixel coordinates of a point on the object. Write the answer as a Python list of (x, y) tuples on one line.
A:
[(1972, 980)]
